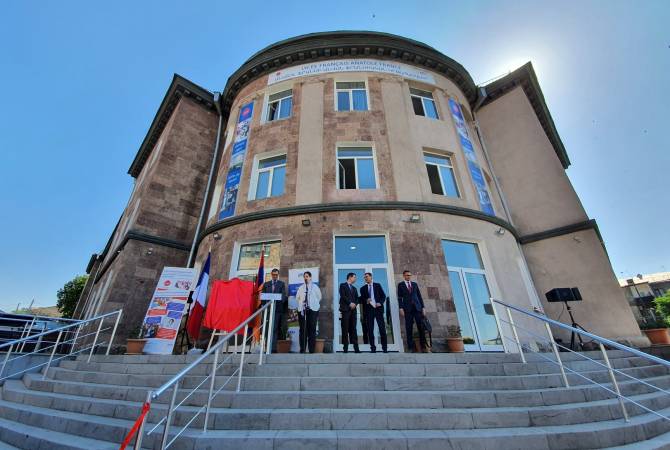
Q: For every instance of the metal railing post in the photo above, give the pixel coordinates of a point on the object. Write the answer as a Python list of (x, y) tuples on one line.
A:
[(116, 324), (51, 357), (516, 335), (271, 333), (27, 331), (211, 389), (558, 357), (244, 346), (263, 339), (4, 363), (140, 432), (168, 418), (95, 340), (76, 336), (614, 381)]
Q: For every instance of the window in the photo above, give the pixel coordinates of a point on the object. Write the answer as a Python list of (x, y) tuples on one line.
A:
[(441, 174), (356, 168), (351, 96), (250, 256), (423, 103), (280, 105), (270, 174)]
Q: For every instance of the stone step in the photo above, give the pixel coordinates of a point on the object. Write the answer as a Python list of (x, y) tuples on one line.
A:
[(321, 417), (354, 369), (373, 383), (380, 358), (17, 435), (349, 399)]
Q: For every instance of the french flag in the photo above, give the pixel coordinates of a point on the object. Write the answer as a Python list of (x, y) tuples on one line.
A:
[(199, 300)]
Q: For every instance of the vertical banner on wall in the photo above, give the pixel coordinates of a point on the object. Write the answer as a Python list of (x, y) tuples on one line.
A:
[(236, 161), (166, 309), (471, 157), (295, 279)]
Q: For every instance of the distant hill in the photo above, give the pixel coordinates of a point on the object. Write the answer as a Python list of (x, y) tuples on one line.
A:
[(48, 311)]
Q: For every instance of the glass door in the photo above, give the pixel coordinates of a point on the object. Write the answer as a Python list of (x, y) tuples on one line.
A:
[(361, 254), (470, 290)]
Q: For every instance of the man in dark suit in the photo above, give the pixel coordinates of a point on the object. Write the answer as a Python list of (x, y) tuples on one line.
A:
[(276, 286), (411, 307), (348, 303), (374, 296)]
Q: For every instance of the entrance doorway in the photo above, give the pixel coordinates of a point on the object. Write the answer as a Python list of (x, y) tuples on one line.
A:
[(360, 254), (472, 297)]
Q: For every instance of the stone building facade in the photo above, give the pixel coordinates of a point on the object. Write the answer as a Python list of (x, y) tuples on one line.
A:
[(355, 161)]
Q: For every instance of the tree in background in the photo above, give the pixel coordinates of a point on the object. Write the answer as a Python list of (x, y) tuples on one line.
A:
[(68, 295), (662, 305)]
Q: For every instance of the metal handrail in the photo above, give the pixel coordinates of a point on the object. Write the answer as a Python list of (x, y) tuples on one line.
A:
[(601, 343), (20, 343), (265, 347)]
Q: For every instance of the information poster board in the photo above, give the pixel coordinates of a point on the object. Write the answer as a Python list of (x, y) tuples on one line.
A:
[(168, 305), (236, 161), (295, 279)]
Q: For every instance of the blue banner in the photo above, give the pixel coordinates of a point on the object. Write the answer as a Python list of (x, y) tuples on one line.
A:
[(236, 161), (471, 157)]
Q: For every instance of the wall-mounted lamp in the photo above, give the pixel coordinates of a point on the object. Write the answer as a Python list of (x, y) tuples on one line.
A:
[(500, 231), (150, 250), (217, 236), (306, 222), (415, 218)]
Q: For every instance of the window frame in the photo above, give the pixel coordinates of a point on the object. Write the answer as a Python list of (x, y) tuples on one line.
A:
[(449, 157), (266, 109), (237, 250), (423, 99), (374, 165), (256, 170), (351, 97)]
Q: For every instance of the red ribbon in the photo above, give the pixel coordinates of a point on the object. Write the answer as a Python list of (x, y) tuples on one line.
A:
[(136, 426)]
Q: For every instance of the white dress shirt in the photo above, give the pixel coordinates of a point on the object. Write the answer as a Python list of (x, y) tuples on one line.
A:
[(314, 300)]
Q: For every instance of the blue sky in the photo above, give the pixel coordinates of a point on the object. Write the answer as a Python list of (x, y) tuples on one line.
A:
[(83, 80)]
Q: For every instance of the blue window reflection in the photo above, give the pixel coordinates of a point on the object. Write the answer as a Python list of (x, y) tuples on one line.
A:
[(462, 254), (366, 174), (278, 181), (360, 249), (360, 100), (263, 183), (343, 101)]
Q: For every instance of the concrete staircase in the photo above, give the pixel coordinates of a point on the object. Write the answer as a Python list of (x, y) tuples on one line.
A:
[(353, 401)]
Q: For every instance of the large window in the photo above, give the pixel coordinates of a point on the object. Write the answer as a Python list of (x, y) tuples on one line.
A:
[(250, 255), (280, 105), (423, 103), (351, 96), (355, 168), (441, 174), (269, 176)]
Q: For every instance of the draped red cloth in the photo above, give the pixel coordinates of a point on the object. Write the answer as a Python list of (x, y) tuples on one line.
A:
[(230, 304)]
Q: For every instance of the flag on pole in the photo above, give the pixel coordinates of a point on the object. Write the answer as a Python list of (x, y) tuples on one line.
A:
[(260, 278), (261, 269), (199, 300)]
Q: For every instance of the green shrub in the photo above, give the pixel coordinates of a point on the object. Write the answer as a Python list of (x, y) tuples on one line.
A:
[(662, 305)]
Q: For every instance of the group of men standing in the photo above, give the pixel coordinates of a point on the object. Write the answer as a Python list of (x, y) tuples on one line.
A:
[(373, 300)]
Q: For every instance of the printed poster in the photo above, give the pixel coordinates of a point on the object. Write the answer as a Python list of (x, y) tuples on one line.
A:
[(236, 161), (168, 305), (295, 279), (471, 158)]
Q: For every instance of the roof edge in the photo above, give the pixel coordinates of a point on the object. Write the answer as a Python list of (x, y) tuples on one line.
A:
[(526, 77), (179, 87)]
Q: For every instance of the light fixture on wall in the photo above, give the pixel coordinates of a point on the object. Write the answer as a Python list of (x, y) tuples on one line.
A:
[(500, 231), (150, 250), (217, 236), (415, 218), (306, 222)]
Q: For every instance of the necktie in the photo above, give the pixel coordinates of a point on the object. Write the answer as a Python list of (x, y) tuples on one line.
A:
[(273, 287), (372, 293), (409, 286)]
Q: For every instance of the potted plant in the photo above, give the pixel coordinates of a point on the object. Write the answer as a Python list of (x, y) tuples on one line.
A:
[(135, 346), (657, 331), (454, 339), (318, 346)]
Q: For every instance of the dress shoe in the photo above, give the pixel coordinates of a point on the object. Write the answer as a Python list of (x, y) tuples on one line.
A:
[(357, 351)]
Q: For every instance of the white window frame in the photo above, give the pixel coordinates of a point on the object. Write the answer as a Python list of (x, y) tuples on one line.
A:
[(256, 171), (275, 89), (423, 99), (237, 248), (337, 164), (278, 101), (450, 157), (351, 97)]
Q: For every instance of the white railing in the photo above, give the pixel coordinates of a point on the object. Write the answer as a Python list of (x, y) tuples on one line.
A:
[(64, 345), (602, 343), (214, 351)]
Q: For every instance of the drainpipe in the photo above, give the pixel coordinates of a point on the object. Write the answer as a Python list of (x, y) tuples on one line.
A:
[(480, 100), (210, 180)]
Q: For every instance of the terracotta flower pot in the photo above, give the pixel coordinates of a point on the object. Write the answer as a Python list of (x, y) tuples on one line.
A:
[(658, 335), (318, 347), (135, 346), (455, 345), (283, 345)]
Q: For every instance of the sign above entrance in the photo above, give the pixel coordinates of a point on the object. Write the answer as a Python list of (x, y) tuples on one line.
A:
[(352, 65)]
